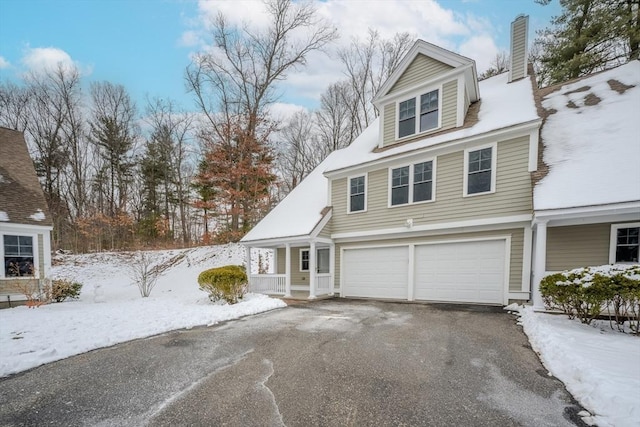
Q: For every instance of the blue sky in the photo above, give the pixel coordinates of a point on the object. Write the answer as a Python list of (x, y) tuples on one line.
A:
[(145, 44)]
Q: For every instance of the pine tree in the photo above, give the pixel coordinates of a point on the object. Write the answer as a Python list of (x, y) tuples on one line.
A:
[(588, 36)]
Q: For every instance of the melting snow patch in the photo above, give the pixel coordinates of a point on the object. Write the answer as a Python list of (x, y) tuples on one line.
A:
[(38, 216)]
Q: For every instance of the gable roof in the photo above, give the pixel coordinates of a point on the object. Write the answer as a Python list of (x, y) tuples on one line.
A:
[(21, 198), (299, 212), (421, 47), (592, 141)]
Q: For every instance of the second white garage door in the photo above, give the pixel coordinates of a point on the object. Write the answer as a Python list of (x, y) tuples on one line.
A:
[(376, 272), (461, 272)]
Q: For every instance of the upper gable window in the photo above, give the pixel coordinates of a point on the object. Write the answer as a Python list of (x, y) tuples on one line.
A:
[(429, 114), (357, 186), (480, 174), (412, 184)]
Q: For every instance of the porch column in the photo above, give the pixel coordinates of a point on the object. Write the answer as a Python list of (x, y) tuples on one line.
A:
[(540, 264), (248, 264), (332, 267), (312, 270), (287, 270)]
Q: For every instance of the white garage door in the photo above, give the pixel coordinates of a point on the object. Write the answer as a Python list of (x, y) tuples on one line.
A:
[(461, 272), (376, 272)]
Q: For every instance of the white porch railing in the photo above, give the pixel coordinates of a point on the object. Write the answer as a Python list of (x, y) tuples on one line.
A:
[(267, 283), (323, 283)]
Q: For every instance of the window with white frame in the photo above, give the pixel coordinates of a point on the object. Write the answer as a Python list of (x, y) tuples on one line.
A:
[(429, 114), (18, 256), (411, 184), (304, 259), (624, 243), (357, 188), (479, 170)]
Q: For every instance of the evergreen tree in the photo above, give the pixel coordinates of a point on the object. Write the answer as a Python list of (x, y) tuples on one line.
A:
[(588, 36)]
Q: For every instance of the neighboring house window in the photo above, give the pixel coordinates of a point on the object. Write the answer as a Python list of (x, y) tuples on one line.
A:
[(304, 259), (357, 193), (412, 184), (624, 243), (480, 170), (429, 119), (18, 256)]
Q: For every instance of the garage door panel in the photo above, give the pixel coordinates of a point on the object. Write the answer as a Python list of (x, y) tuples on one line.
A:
[(460, 272), (376, 272)]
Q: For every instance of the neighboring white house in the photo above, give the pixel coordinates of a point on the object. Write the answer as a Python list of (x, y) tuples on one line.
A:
[(25, 222), (435, 200)]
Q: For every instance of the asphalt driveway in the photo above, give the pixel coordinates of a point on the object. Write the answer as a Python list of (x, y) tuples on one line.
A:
[(327, 363)]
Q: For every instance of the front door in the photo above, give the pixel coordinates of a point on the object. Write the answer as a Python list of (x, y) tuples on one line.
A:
[(323, 260)]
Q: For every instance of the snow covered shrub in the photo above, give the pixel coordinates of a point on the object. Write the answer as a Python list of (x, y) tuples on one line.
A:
[(61, 289), (228, 283), (144, 273), (585, 292)]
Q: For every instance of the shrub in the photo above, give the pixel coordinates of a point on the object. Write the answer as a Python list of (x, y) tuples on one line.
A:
[(144, 273), (228, 283), (585, 292), (62, 289)]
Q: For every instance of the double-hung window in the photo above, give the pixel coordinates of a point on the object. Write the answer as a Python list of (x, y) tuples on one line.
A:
[(357, 188), (18, 256), (624, 244), (429, 114), (304, 259), (480, 170), (412, 184)]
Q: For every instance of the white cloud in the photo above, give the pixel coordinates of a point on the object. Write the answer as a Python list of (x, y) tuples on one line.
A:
[(282, 111), (4, 63), (189, 39), (40, 59), (482, 48)]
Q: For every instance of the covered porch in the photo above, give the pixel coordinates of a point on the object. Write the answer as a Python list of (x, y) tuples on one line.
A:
[(302, 269)]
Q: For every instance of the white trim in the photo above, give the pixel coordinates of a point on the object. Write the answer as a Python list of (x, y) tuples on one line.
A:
[(411, 183), (300, 259), (313, 271), (36, 254), (540, 263), (448, 227), (522, 296), (460, 105), (494, 163), (366, 183), (329, 190), (29, 227), (534, 136), (613, 239), (436, 147), (582, 212), (322, 223), (332, 267), (411, 274), (416, 95), (287, 270), (527, 246)]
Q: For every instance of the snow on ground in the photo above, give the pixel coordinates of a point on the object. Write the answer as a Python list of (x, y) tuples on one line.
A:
[(32, 337), (599, 366)]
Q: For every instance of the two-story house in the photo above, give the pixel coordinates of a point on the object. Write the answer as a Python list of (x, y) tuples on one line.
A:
[(434, 201)]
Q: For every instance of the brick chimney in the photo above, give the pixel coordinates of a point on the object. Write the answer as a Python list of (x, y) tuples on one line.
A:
[(518, 57)]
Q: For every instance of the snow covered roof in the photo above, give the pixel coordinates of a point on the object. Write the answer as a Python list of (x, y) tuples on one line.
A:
[(21, 198), (592, 141), (301, 211)]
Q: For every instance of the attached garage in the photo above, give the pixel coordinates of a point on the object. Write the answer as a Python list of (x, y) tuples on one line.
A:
[(376, 272), (470, 271)]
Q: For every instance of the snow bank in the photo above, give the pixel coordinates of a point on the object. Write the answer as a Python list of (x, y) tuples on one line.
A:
[(600, 367), (110, 309)]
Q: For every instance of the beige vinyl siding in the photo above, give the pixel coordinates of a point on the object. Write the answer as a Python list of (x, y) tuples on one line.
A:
[(577, 246), (519, 48), (326, 231), (449, 105), (449, 115), (15, 286), (422, 68), (517, 243), (512, 196), (297, 277)]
